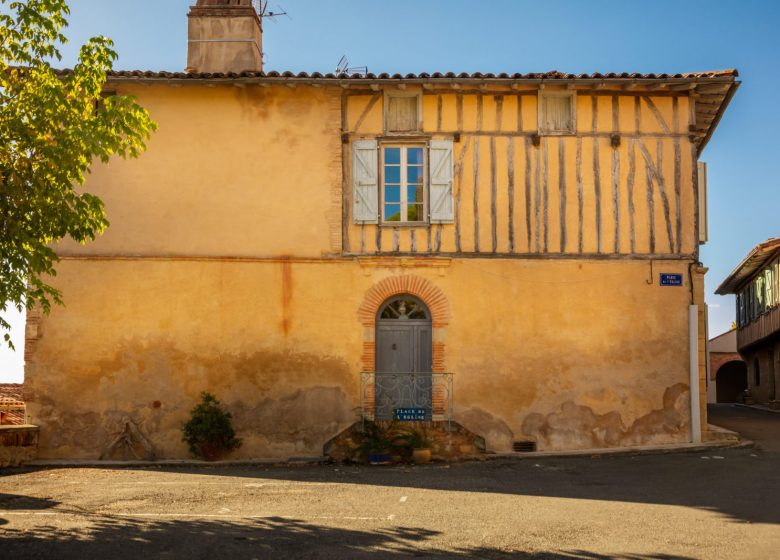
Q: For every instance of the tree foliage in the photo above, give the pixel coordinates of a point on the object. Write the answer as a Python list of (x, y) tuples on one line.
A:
[(53, 125)]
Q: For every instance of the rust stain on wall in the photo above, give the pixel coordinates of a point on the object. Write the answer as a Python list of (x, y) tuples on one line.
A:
[(578, 427), (287, 290)]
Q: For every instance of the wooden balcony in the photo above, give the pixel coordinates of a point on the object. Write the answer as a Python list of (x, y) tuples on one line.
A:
[(763, 327)]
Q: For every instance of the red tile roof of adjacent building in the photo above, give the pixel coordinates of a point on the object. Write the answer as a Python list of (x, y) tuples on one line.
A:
[(11, 403)]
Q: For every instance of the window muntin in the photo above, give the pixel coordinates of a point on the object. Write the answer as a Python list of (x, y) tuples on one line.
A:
[(557, 113), (769, 296), (740, 309), (403, 183), (404, 308)]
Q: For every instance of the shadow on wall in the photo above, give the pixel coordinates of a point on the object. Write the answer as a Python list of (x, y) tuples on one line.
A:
[(123, 537)]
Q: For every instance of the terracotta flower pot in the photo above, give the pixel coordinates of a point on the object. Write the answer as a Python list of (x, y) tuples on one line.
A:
[(421, 456), (212, 452)]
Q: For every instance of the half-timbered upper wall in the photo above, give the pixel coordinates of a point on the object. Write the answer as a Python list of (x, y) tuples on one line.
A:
[(622, 185)]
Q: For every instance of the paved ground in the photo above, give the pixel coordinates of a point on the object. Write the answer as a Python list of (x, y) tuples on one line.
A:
[(761, 426), (721, 504)]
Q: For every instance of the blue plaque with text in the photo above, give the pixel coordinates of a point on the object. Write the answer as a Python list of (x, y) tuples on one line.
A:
[(671, 279), (412, 414)]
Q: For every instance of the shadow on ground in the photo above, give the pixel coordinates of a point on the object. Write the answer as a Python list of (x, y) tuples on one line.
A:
[(10, 502), (736, 483), (120, 537)]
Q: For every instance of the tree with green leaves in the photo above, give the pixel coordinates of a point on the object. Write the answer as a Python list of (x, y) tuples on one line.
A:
[(53, 126)]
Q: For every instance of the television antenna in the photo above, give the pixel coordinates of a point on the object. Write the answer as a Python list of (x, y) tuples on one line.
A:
[(343, 67), (262, 9)]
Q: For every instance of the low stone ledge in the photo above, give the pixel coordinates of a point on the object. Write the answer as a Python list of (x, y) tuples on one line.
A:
[(451, 441), (18, 444), (716, 433)]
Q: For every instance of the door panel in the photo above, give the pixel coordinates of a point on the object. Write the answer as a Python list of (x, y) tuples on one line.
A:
[(395, 348), (403, 347), (424, 345)]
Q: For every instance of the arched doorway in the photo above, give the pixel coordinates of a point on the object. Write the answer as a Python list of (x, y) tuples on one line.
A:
[(403, 357), (730, 381)]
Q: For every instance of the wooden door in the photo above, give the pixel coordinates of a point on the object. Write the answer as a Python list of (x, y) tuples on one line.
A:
[(403, 357)]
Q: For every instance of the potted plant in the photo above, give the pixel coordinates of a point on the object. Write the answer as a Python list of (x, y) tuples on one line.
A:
[(209, 431), (421, 443), (377, 442)]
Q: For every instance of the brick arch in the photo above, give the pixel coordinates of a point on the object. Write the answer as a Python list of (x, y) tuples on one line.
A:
[(430, 294), (427, 292)]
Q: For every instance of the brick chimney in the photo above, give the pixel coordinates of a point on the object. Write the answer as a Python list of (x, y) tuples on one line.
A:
[(224, 36)]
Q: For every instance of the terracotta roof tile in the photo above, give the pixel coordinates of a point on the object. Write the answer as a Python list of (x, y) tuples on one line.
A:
[(551, 75), (11, 405)]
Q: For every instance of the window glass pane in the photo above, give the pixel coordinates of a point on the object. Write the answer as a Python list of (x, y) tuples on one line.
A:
[(392, 174), (414, 174), (404, 309), (414, 156), (414, 194), (414, 212), (558, 113), (393, 155), (392, 193), (392, 212)]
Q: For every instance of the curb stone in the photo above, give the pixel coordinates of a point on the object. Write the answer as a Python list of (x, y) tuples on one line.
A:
[(308, 461)]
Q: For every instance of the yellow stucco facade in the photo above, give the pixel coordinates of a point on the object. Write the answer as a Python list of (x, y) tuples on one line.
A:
[(233, 264)]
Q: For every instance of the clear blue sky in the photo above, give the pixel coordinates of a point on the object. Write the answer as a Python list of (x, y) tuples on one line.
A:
[(521, 36)]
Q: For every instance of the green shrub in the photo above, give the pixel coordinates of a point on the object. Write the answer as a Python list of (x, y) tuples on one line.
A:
[(209, 431), (418, 438)]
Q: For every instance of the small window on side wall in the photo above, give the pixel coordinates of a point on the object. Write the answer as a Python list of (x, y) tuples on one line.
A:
[(402, 112), (557, 112)]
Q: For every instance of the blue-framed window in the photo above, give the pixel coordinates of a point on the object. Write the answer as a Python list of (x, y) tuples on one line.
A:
[(403, 183)]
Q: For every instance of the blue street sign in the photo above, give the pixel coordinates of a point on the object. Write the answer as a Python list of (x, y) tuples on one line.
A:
[(412, 414), (671, 279)]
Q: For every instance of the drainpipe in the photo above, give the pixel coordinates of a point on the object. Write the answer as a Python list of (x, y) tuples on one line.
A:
[(693, 334)]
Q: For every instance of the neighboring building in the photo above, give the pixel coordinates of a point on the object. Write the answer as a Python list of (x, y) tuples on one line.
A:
[(12, 409), (525, 246), (727, 370), (756, 283)]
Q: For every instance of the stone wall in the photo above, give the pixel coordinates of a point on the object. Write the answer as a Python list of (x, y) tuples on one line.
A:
[(18, 445)]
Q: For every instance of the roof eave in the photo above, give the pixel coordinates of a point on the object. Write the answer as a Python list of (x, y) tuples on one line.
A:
[(639, 82), (761, 253), (729, 95)]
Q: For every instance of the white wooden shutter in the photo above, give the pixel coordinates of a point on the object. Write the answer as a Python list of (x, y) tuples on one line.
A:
[(440, 161), (365, 181)]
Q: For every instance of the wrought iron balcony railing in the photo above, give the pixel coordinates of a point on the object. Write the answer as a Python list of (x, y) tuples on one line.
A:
[(407, 395)]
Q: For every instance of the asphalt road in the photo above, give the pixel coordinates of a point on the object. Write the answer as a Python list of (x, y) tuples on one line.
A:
[(719, 504)]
